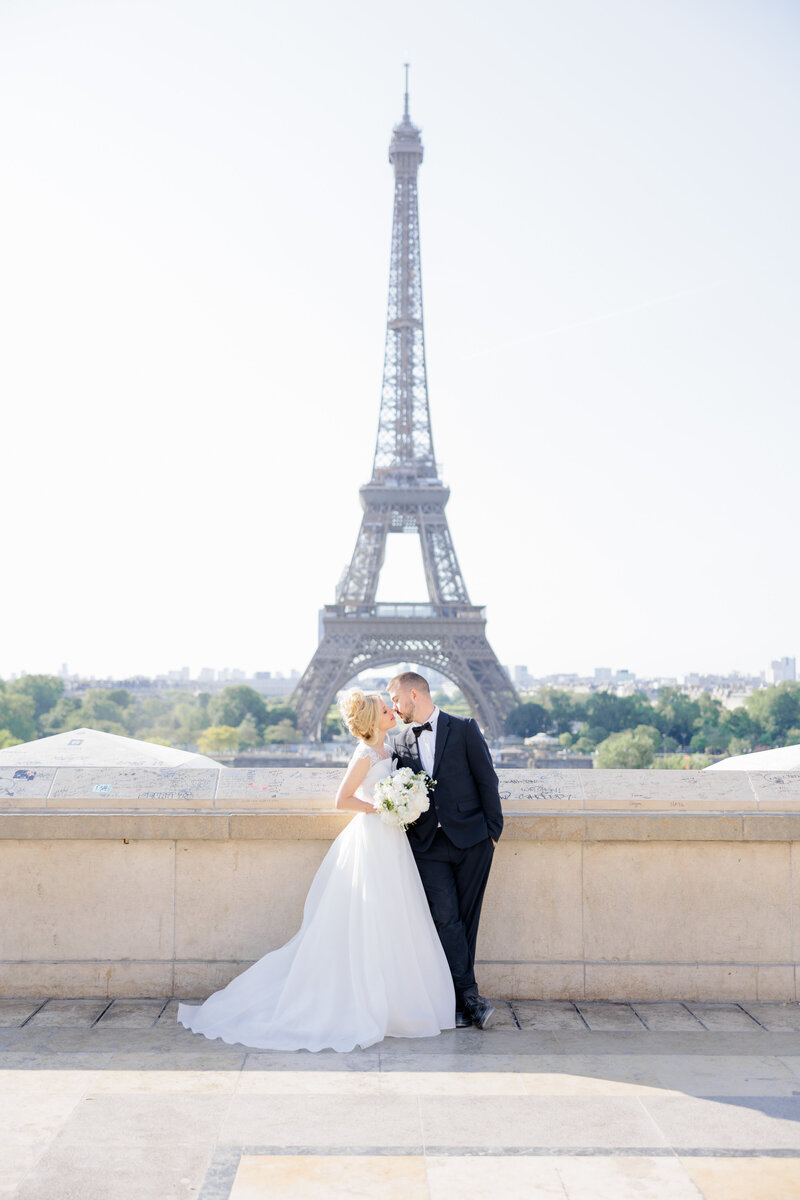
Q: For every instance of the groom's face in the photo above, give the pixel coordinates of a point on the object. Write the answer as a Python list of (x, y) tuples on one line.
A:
[(405, 703)]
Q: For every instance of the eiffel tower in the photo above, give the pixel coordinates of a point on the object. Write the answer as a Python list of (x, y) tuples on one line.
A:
[(405, 494)]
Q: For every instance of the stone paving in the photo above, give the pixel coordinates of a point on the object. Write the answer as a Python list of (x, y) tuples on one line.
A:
[(590, 1101)]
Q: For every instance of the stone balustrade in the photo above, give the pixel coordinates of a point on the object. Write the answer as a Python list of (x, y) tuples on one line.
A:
[(618, 885)]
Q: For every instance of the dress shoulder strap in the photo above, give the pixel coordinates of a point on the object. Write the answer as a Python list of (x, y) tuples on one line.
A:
[(362, 750)]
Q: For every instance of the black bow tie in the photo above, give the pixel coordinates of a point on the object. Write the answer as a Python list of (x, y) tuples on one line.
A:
[(417, 729)]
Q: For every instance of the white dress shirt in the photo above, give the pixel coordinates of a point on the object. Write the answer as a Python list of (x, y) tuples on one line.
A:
[(427, 743)]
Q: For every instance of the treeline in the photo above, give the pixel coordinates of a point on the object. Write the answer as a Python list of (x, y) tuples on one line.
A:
[(630, 731), (620, 731), (237, 718)]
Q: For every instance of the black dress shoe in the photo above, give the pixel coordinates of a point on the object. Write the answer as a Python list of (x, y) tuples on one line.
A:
[(480, 1011), (463, 1019)]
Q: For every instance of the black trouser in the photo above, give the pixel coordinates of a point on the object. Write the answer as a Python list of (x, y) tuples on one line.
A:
[(454, 882)]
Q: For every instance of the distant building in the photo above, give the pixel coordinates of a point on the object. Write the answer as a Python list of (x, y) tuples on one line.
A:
[(783, 670), (180, 676), (270, 683), (602, 672)]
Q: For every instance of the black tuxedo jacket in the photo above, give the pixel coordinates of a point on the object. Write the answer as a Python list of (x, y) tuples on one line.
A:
[(466, 799)]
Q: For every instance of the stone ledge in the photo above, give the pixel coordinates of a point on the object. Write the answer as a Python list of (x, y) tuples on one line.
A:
[(312, 789), (654, 885), (169, 825)]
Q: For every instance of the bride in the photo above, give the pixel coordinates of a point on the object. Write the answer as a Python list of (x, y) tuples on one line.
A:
[(366, 962)]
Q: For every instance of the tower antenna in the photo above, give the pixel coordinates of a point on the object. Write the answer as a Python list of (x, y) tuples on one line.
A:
[(405, 111)]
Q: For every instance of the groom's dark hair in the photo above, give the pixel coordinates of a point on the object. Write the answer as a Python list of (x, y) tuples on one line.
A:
[(410, 679)]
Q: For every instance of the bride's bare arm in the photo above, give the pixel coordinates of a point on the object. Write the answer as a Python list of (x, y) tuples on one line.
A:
[(345, 797)]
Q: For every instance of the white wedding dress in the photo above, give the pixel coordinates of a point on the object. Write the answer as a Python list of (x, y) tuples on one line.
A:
[(365, 964)]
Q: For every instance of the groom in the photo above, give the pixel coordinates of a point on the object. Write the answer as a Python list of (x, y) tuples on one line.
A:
[(453, 842)]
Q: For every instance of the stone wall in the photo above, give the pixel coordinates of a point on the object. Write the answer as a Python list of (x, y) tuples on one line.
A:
[(606, 884)]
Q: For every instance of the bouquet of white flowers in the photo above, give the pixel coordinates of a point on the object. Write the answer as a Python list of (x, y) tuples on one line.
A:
[(403, 796)]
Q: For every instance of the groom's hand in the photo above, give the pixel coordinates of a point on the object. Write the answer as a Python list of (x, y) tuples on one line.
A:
[(494, 843)]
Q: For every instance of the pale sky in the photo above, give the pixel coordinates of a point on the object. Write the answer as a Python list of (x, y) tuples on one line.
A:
[(195, 213)]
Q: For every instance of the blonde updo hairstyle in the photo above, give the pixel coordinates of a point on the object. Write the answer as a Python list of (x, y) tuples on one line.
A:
[(360, 712)]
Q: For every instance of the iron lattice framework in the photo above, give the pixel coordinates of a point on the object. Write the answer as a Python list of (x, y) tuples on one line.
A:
[(405, 494)]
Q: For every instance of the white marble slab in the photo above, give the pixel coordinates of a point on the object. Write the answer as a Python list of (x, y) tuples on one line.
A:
[(283, 788), (668, 791), (255, 785), (775, 789), (108, 787), (24, 783), (538, 791)]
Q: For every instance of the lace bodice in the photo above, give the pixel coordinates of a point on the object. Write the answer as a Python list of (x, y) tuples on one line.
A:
[(381, 765)]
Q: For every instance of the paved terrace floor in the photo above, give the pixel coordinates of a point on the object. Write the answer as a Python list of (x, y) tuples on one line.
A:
[(113, 1100)]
